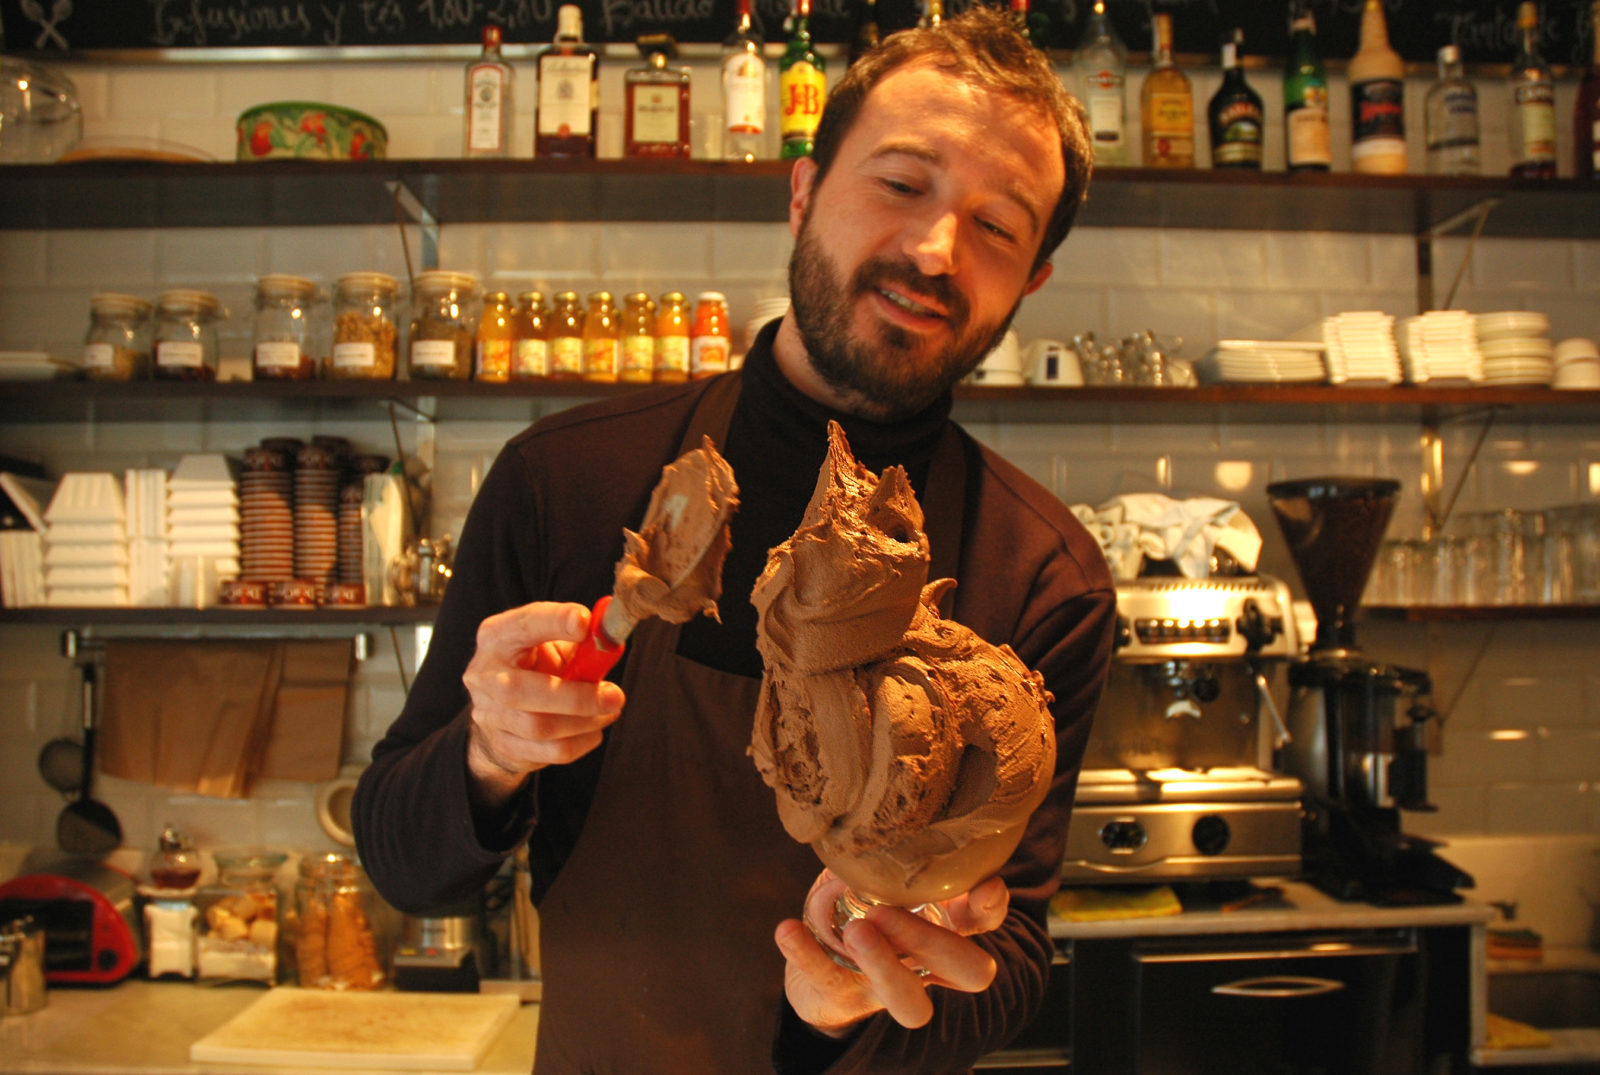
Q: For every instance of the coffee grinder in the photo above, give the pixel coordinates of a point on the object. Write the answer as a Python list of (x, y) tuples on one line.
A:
[(1357, 728)]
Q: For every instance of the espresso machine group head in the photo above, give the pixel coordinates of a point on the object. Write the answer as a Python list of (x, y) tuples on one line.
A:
[(1357, 728)]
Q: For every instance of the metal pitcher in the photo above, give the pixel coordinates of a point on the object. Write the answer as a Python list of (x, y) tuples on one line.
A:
[(21, 967)]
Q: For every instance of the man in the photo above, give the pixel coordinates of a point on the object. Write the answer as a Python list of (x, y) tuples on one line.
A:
[(948, 166)]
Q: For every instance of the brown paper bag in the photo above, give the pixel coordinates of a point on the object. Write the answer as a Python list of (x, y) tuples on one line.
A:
[(306, 738)]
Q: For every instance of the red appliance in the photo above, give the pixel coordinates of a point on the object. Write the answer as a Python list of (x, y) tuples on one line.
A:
[(87, 914)]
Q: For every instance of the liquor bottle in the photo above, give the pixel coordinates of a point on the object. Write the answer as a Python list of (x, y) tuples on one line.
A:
[(802, 87), (1166, 103), (1032, 24), (1452, 119), (932, 14), (1234, 114), (1307, 144), (488, 126), (1586, 113), (569, 91), (1102, 65), (867, 34), (655, 114), (1377, 99), (744, 90), (1533, 103)]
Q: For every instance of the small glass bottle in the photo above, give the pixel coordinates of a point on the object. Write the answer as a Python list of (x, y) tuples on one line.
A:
[(655, 114), (340, 934), (1234, 114), (638, 339), (364, 327), (1308, 142), (1586, 109), (1166, 102), (569, 91), (744, 90), (1533, 103), (170, 916), (176, 864), (186, 335), (441, 325), (488, 111), (802, 87), (493, 345), (710, 343), (1452, 119), (117, 345), (530, 345), (239, 917), (672, 338), (1102, 64), (566, 338), (283, 344), (602, 339)]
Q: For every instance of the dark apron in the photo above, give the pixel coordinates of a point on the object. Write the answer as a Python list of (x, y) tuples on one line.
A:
[(656, 937)]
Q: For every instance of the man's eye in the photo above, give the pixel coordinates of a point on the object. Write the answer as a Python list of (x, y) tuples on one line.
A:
[(997, 230), (899, 186)]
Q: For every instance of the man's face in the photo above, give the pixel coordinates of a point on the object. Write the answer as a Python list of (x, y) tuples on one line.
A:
[(912, 255)]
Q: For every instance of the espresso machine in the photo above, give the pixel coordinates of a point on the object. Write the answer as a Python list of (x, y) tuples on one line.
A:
[(1177, 783), (1357, 728)]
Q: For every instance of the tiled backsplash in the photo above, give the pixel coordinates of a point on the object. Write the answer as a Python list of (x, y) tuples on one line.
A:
[(1521, 746)]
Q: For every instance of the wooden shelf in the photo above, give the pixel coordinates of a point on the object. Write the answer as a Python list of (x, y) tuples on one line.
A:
[(1480, 613), (176, 401), (139, 194), (275, 618)]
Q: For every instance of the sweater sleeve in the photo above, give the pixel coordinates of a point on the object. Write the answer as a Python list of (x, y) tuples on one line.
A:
[(411, 817)]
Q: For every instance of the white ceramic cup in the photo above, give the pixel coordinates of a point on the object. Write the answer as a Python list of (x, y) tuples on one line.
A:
[(1002, 365), (1051, 362)]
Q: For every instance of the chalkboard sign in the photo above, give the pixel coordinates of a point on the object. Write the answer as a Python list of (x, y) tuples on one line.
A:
[(1484, 29)]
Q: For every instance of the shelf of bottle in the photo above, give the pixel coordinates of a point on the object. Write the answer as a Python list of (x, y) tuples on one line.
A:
[(139, 194), (1480, 613), (265, 618), (173, 401)]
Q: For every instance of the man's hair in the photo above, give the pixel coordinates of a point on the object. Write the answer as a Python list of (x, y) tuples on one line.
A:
[(983, 48)]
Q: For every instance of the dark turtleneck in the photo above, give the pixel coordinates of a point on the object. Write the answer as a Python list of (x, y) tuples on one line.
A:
[(776, 444)]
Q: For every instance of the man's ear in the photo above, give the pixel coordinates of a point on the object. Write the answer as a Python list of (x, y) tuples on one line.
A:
[(1039, 277), (801, 178)]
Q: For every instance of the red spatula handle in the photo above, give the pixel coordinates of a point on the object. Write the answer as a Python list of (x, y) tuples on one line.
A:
[(595, 655)]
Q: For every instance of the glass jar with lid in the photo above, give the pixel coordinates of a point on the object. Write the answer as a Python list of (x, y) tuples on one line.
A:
[(117, 345), (341, 932), (186, 335), (364, 330), (285, 339), (238, 923), (442, 305)]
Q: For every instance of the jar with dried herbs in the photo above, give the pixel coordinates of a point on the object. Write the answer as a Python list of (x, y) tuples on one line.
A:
[(117, 345), (363, 327), (286, 340), (442, 328), (186, 335)]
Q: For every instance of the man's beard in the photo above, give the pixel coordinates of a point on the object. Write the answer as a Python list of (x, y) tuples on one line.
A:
[(891, 376)]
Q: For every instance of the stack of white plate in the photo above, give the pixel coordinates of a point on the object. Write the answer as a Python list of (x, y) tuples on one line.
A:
[(1516, 348), (1577, 364), (146, 495), (203, 522), (1359, 345), (33, 366), (1262, 362), (22, 551), (1440, 345), (85, 547)]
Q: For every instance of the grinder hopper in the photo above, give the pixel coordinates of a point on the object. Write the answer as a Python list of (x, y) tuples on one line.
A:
[(1333, 527)]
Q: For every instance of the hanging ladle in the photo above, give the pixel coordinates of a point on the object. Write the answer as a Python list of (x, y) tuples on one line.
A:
[(86, 825)]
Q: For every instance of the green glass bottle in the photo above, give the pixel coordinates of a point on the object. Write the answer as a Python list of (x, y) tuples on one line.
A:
[(802, 87), (1308, 143)]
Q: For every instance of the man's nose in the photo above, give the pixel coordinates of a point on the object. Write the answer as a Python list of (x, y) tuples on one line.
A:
[(933, 247)]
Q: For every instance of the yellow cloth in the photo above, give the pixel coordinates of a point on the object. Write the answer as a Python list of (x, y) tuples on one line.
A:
[(1103, 904), (1506, 1033)]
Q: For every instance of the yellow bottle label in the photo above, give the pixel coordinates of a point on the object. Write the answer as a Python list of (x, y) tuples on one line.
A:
[(600, 357), (803, 91), (1172, 115), (566, 355), (638, 354), (532, 358), (672, 354)]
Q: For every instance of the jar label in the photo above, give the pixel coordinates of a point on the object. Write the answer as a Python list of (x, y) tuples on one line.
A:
[(277, 355), (189, 354), (354, 356), (532, 358), (638, 354), (494, 358), (655, 114), (600, 357), (565, 96), (708, 354), (433, 353), (672, 354), (98, 356), (566, 356), (744, 92)]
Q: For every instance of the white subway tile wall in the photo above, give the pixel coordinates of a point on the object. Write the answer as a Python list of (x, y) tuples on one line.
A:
[(1520, 747)]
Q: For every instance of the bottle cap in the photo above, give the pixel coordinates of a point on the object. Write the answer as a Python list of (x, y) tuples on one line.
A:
[(569, 22), (491, 36)]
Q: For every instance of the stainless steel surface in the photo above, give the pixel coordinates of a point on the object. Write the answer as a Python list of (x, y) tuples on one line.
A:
[(1150, 842), (1175, 618)]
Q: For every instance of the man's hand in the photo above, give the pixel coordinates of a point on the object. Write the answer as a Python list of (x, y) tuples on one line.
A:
[(523, 716), (885, 945)]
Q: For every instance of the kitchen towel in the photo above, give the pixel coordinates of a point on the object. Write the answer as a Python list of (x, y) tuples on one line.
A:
[(211, 717)]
